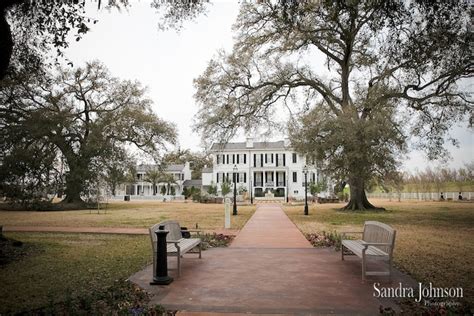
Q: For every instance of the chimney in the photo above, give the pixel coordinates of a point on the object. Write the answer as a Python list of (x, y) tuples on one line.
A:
[(249, 142), (286, 142)]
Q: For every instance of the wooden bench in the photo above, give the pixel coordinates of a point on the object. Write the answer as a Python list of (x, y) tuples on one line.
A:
[(177, 246), (377, 243)]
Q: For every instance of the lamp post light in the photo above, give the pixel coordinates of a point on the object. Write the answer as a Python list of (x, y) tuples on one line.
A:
[(305, 171), (234, 211)]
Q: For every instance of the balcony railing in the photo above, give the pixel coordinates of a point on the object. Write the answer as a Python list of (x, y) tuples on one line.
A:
[(258, 184)]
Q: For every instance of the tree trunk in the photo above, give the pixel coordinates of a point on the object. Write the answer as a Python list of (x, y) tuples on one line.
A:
[(358, 200), (75, 181), (6, 38)]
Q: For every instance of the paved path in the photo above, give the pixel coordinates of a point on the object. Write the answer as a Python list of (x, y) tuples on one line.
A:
[(268, 269), (269, 227)]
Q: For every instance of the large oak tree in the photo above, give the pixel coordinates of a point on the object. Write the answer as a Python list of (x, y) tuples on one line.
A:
[(85, 114), (32, 30), (359, 79)]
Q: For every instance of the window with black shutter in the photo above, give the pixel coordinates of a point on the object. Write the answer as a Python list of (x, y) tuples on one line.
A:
[(276, 160), (261, 160), (271, 157), (294, 157), (245, 177), (295, 177), (284, 160), (266, 157), (254, 160), (245, 158)]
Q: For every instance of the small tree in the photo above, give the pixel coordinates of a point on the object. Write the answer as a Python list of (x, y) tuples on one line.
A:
[(163, 190), (169, 180), (461, 179), (185, 192), (225, 188), (153, 176), (394, 182), (315, 188), (212, 189)]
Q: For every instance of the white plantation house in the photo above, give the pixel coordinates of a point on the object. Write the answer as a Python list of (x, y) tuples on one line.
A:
[(261, 168), (141, 187)]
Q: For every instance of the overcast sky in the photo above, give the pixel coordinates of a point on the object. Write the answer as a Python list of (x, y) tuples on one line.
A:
[(132, 47)]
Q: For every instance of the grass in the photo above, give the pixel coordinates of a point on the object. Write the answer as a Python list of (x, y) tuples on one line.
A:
[(57, 266), (60, 266), (434, 239), (132, 214)]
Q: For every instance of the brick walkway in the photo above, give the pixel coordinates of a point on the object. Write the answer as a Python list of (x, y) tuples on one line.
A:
[(269, 227), (270, 268)]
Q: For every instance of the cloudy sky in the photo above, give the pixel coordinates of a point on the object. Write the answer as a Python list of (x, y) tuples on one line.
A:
[(132, 47)]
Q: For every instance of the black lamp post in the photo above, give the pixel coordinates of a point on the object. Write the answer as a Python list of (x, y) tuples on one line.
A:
[(251, 193), (305, 171), (234, 212)]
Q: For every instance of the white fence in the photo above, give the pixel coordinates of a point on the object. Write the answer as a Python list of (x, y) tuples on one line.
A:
[(149, 197), (422, 196)]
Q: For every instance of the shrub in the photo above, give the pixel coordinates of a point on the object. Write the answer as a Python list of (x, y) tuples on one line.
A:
[(215, 240), (123, 298), (225, 188), (197, 197), (212, 189), (331, 239)]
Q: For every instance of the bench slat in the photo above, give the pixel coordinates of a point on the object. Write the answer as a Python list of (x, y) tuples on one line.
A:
[(185, 245), (356, 247)]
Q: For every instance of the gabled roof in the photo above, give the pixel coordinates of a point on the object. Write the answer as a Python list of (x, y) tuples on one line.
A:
[(169, 168), (243, 145), (190, 183)]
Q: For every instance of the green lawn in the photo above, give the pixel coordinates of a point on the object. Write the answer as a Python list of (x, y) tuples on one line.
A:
[(434, 239), (132, 214), (58, 266)]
